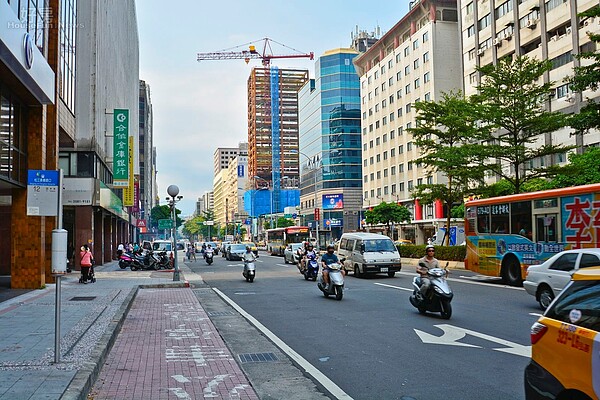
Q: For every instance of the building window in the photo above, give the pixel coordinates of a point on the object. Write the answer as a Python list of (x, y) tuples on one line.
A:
[(397, 58), (376, 107), (399, 94), (372, 176), (364, 115), (393, 172), (419, 181), (409, 146), (371, 144), (408, 107), (401, 168), (407, 89), (378, 158), (401, 186), (391, 99), (410, 185), (406, 51), (385, 189), (392, 117), (409, 165), (384, 138), (390, 64), (505, 8), (562, 91), (377, 142), (383, 103), (392, 134), (426, 57), (427, 96), (399, 112), (417, 83), (393, 152), (471, 31), (13, 156), (484, 22), (407, 70), (400, 131), (469, 8), (376, 124), (371, 160), (365, 179), (390, 81), (401, 149), (426, 77), (385, 155), (378, 192), (430, 180), (415, 44), (425, 37), (416, 63), (364, 147)]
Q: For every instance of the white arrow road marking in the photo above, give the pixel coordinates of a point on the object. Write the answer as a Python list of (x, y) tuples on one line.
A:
[(450, 336), (180, 378), (453, 333)]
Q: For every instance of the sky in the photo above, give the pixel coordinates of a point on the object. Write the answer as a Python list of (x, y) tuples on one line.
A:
[(201, 106)]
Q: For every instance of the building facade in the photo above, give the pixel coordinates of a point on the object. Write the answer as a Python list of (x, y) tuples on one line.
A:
[(223, 156), (542, 29), (417, 59), (29, 130), (273, 127), (330, 146), (146, 199), (107, 60)]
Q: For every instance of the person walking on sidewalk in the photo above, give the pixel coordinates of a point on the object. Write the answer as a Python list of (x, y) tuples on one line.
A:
[(86, 262)]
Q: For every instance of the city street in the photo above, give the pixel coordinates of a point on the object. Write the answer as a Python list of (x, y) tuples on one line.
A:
[(374, 344)]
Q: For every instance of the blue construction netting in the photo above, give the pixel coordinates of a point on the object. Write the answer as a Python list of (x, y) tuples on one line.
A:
[(275, 138), (258, 202)]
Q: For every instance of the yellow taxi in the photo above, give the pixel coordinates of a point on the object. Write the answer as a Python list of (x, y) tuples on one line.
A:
[(252, 246), (565, 352)]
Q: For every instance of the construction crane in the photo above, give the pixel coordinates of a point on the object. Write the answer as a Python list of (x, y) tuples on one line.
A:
[(271, 89), (251, 54)]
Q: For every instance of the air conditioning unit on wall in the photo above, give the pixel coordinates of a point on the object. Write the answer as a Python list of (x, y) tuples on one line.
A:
[(531, 23), (480, 52), (497, 42)]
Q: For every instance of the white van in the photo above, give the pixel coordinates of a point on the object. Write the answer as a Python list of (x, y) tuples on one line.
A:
[(368, 253)]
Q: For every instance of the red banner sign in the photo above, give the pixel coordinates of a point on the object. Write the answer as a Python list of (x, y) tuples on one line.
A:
[(317, 214)]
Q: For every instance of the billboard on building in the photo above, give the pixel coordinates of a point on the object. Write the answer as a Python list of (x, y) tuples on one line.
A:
[(333, 201)]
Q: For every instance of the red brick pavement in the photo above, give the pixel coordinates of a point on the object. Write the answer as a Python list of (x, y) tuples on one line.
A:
[(169, 349)]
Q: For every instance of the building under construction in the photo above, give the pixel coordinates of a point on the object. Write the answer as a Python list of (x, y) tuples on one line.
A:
[(273, 127)]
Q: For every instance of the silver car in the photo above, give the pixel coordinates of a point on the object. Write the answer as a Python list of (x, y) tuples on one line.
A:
[(545, 281), (290, 255)]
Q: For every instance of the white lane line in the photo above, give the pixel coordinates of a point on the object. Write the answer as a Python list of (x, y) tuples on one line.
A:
[(393, 287), (328, 384)]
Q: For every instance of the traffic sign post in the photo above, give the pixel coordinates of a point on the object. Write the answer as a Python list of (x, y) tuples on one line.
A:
[(165, 223)]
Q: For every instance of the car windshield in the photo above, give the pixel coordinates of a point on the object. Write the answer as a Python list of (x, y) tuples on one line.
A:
[(161, 246), (578, 305), (379, 245), (238, 247), (249, 244)]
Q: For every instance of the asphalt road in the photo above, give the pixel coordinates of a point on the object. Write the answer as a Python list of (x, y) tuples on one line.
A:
[(374, 345)]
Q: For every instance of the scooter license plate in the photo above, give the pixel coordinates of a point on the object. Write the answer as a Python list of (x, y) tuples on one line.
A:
[(384, 269)]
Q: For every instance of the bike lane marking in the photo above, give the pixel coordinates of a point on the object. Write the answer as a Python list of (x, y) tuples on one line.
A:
[(334, 389)]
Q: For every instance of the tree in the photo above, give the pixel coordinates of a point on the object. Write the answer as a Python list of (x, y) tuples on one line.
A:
[(448, 136), (387, 213), (512, 102), (163, 212), (585, 167), (587, 77)]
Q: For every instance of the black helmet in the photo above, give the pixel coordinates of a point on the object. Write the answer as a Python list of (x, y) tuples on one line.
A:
[(248, 248), (330, 247)]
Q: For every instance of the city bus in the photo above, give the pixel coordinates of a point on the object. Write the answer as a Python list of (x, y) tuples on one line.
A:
[(279, 238), (505, 235)]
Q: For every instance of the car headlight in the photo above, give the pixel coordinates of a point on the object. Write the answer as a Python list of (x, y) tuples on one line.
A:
[(396, 260)]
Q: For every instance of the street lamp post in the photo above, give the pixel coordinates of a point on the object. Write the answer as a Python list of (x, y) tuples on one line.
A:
[(173, 192), (315, 200)]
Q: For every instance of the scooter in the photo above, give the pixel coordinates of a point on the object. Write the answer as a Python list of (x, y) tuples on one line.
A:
[(336, 282), (439, 295), (312, 268), (208, 256), (249, 271), (125, 260)]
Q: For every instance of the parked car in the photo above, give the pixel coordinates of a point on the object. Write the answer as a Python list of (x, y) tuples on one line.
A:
[(565, 362), (290, 255), (545, 281), (235, 251), (401, 242)]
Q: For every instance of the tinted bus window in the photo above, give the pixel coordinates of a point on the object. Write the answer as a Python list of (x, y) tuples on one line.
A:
[(520, 219), (500, 213), (483, 219)]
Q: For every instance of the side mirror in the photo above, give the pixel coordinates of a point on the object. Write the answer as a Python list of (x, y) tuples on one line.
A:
[(362, 248), (422, 265)]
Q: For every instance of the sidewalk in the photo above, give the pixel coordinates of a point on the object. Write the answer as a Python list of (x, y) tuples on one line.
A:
[(90, 314)]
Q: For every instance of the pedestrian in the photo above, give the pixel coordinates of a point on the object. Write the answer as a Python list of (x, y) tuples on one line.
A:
[(120, 249), (85, 262)]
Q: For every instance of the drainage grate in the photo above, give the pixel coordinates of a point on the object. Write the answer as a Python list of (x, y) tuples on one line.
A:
[(257, 357), (220, 313), (82, 298)]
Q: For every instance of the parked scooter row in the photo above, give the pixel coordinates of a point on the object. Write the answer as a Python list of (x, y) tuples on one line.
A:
[(149, 261)]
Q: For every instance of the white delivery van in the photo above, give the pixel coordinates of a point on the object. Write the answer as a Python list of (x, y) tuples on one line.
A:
[(368, 253)]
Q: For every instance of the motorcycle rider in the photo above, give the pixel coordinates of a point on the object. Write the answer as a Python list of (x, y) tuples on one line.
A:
[(248, 256), (423, 266), (326, 260), (302, 256), (209, 249)]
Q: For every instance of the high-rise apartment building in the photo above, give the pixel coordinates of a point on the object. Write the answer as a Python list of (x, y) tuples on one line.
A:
[(330, 145), (417, 59), (273, 126), (223, 156), (542, 29), (147, 162)]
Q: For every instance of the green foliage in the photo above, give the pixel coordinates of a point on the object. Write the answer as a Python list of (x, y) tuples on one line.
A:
[(442, 253), (586, 77), (585, 169), (386, 213), (458, 211), (285, 222), (513, 101), (448, 135), (163, 212)]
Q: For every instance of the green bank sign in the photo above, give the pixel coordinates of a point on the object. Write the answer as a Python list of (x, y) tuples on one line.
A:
[(121, 148)]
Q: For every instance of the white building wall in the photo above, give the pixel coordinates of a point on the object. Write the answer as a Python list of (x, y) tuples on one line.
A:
[(107, 72)]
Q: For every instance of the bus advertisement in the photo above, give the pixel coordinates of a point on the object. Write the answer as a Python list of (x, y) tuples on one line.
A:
[(279, 238), (505, 235)]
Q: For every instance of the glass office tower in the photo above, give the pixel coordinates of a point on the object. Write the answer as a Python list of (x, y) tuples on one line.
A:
[(330, 145)]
